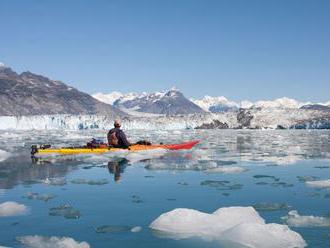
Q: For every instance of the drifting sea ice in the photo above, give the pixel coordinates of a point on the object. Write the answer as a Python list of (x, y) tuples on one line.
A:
[(264, 206), (90, 182), (41, 197), (232, 225), (306, 178), (51, 242), (12, 208), (65, 211), (4, 155), (226, 169), (117, 229), (221, 185), (296, 220), (54, 181), (319, 184)]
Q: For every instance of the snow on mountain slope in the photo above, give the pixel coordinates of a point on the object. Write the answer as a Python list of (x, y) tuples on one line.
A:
[(108, 98), (282, 103), (222, 104), (170, 102), (216, 104)]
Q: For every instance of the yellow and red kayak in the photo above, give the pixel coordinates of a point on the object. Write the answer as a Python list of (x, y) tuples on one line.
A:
[(42, 152)]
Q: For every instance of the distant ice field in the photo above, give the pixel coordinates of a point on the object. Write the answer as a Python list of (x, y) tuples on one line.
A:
[(237, 188)]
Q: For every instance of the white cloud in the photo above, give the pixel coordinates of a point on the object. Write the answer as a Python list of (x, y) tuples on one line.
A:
[(319, 184), (294, 219), (226, 169), (11, 208), (51, 242)]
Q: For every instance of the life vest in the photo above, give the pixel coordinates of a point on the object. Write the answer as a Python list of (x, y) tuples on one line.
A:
[(112, 138)]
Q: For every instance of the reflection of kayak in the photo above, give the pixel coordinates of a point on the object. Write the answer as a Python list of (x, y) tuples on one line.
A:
[(47, 151)]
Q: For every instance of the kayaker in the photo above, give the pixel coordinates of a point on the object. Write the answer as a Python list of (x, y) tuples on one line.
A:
[(117, 138)]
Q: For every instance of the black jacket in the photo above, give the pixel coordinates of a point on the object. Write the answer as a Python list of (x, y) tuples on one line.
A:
[(122, 140)]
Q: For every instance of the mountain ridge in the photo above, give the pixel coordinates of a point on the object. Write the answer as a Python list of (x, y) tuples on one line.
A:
[(32, 94)]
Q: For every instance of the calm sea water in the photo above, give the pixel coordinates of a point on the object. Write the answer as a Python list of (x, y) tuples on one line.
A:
[(99, 199)]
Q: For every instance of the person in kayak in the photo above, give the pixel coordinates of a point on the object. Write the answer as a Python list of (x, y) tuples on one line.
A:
[(117, 138)]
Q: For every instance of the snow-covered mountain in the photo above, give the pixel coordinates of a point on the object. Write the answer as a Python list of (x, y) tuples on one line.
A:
[(222, 104), (171, 102)]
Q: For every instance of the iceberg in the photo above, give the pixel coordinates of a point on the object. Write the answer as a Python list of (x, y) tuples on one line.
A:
[(228, 225)]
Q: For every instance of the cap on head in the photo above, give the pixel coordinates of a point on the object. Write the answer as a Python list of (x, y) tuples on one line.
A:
[(117, 123)]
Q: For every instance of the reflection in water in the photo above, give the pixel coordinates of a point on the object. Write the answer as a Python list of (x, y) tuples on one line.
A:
[(266, 188), (15, 172), (117, 167)]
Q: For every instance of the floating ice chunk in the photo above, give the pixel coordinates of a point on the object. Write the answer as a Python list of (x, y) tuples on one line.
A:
[(41, 197), (4, 155), (226, 169), (306, 178), (319, 184), (294, 219), (222, 185), (113, 229), (90, 182), (322, 167), (264, 206), (51, 242), (66, 211), (136, 229), (134, 157), (234, 225), (266, 176), (12, 208), (54, 181)]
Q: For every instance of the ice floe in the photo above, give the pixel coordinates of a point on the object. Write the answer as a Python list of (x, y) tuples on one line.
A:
[(222, 185), (10, 208), (54, 181), (226, 169), (90, 181), (319, 184), (296, 220), (117, 229), (306, 178), (37, 241), (136, 229), (232, 225), (66, 211), (4, 155), (41, 197), (265, 206)]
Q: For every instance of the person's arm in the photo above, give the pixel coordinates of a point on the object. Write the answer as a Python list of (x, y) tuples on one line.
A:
[(108, 137), (124, 139)]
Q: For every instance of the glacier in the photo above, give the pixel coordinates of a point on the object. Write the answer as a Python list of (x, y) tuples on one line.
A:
[(260, 119)]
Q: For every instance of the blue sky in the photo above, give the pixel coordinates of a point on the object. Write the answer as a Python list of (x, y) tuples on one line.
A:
[(240, 49)]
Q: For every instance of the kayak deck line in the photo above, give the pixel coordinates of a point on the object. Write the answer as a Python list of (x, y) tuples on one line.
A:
[(36, 152)]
